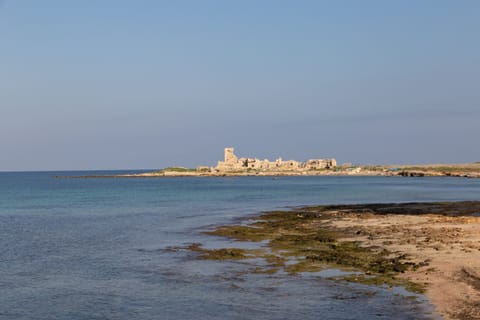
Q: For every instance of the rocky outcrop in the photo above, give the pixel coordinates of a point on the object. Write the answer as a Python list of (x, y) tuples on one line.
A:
[(411, 173)]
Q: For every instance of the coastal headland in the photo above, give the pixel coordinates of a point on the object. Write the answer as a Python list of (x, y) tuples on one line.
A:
[(429, 248), (234, 166)]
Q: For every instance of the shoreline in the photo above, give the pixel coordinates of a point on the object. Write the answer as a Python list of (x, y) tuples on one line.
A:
[(429, 248), (470, 170), (275, 174)]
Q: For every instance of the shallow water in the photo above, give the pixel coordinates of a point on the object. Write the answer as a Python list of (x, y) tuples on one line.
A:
[(99, 248)]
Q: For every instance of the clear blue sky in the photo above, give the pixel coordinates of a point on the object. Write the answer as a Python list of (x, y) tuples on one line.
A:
[(146, 84)]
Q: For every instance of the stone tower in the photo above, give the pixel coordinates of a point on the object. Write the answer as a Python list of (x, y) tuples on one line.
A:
[(230, 157)]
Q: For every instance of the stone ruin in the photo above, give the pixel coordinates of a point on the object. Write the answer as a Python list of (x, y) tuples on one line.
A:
[(233, 163)]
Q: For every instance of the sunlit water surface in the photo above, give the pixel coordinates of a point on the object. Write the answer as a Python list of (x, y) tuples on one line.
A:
[(99, 248)]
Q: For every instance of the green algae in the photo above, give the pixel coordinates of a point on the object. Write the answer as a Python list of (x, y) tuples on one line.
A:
[(224, 253), (303, 240), (300, 236), (382, 280), (242, 233)]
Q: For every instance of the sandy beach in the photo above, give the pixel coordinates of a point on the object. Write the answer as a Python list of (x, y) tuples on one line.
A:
[(433, 248), (450, 245)]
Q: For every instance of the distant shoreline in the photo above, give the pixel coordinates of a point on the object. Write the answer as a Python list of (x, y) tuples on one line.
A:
[(233, 166), (470, 170)]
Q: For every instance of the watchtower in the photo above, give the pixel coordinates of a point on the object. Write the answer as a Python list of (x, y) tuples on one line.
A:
[(230, 157)]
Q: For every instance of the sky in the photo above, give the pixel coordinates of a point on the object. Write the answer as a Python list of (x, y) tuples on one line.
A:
[(116, 84)]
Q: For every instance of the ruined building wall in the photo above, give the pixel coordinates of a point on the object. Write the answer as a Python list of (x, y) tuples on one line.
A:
[(232, 163), (230, 157)]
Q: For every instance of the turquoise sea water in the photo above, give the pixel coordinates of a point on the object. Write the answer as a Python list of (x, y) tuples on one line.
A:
[(100, 248)]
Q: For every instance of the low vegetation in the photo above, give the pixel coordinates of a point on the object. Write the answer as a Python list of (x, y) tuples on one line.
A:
[(179, 169), (445, 169)]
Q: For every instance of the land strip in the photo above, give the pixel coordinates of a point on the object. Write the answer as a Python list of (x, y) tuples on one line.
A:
[(469, 170)]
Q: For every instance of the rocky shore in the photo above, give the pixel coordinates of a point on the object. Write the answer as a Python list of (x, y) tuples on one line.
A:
[(430, 248)]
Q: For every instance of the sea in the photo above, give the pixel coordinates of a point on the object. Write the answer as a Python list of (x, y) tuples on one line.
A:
[(112, 248)]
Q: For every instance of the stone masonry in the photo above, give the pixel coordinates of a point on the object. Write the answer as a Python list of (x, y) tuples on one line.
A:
[(233, 163)]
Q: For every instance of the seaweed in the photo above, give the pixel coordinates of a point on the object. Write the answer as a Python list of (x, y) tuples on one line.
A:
[(305, 239)]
